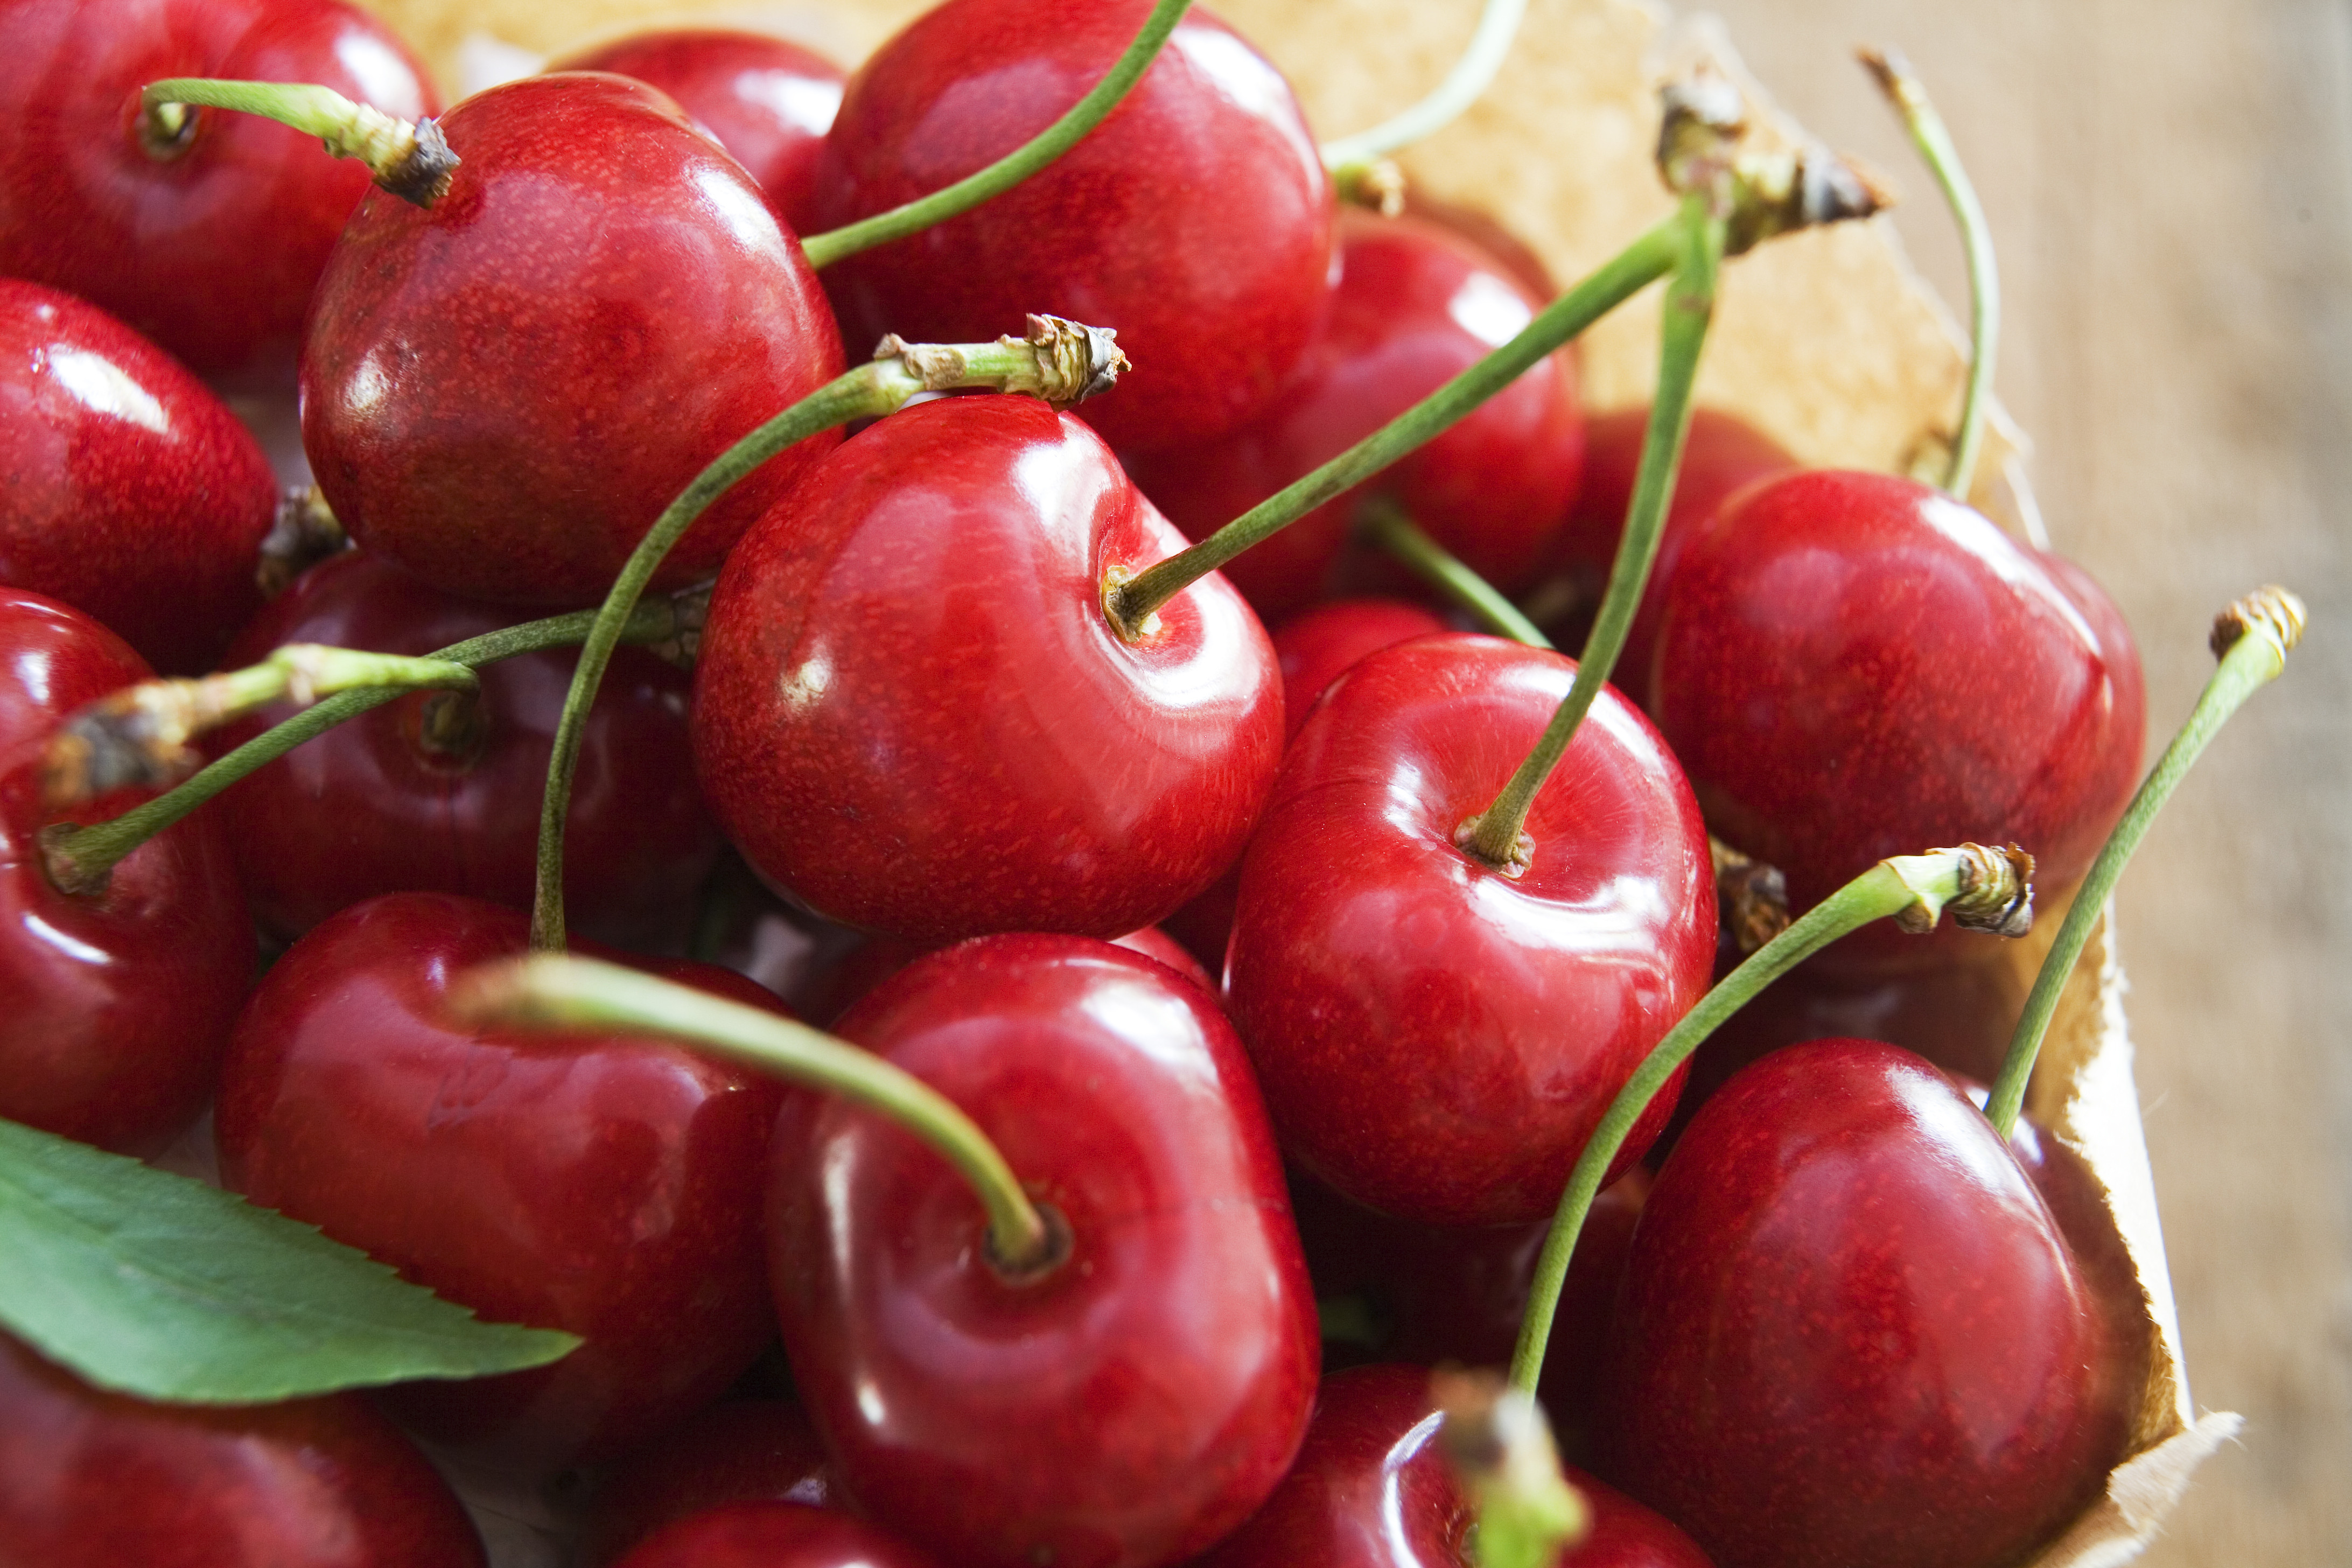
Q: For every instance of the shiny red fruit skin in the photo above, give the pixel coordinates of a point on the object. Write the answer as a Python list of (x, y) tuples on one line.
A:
[(114, 1010), (211, 254), (911, 713), (1852, 666), (775, 1535), (127, 489), (1850, 1332), (1371, 1490), (769, 101), (1131, 1406), (1196, 219), (739, 1450), (1416, 304), (1435, 1040), (878, 958), (501, 392), (1317, 647), (94, 1480), (608, 1186), (370, 807)]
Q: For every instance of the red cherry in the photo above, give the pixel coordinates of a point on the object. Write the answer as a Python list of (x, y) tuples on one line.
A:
[(94, 1480), (1138, 1401), (211, 248), (739, 1450), (775, 1535), (1435, 1040), (133, 493), (1415, 306), (389, 802), (1850, 1332), (911, 712), (1196, 219), (1852, 666), (604, 1186), (120, 1004), (768, 101), (501, 392)]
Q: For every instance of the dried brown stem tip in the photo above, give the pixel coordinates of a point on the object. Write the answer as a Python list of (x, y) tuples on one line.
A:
[(1500, 1447), (1063, 362), (135, 738), (304, 534), (1996, 889), (420, 173), (1754, 897), (2271, 610), (1701, 150)]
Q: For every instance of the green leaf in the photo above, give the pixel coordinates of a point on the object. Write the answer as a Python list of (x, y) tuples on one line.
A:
[(164, 1287)]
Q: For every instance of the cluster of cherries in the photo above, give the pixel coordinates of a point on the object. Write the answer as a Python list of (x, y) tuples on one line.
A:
[(1842, 1323)]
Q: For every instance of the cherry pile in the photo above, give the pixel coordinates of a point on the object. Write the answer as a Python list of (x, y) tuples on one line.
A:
[(1223, 1031)]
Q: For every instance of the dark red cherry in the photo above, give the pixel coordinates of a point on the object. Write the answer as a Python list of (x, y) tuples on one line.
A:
[(739, 1450), (1135, 1402), (1415, 305), (911, 712), (441, 792), (1196, 219), (775, 1535), (502, 392), (1852, 666), (877, 959), (127, 489), (606, 1187), (1437, 1040), (1851, 1331), (769, 101), (211, 245), (94, 1480), (1371, 1490), (118, 1003)]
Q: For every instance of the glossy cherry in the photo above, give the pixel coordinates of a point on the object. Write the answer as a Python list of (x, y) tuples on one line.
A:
[(1437, 1039), (502, 392), (775, 1535), (768, 101), (1852, 666), (738, 1450), (878, 958), (1851, 1331), (1196, 219), (911, 713), (127, 489), (1135, 1402), (606, 1187), (441, 792), (118, 1004), (1371, 1490), (211, 245), (1416, 304), (94, 1480)]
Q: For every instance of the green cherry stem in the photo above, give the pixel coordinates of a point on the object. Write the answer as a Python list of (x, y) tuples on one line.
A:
[(824, 249), (1473, 73), (1982, 888), (558, 991), (411, 161), (1494, 836), (1062, 362), (1908, 94), (1385, 524), (2252, 638)]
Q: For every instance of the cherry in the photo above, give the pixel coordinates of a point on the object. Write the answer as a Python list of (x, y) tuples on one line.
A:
[(911, 713), (739, 1450), (211, 240), (1852, 1332), (94, 1480), (1437, 1038), (130, 491), (775, 1535), (1317, 647), (502, 392), (1415, 305), (1196, 219), (1853, 665), (606, 1187), (441, 792), (119, 1001), (768, 101), (1136, 1400)]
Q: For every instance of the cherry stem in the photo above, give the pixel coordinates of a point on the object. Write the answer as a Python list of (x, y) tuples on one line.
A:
[(1386, 524), (1494, 836), (1473, 73), (2252, 638), (824, 249), (558, 991), (81, 858), (412, 160), (1982, 888), (1908, 94), (1062, 362), (1131, 604)]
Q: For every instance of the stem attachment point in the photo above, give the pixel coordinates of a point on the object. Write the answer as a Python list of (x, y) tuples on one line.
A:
[(1513, 864)]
